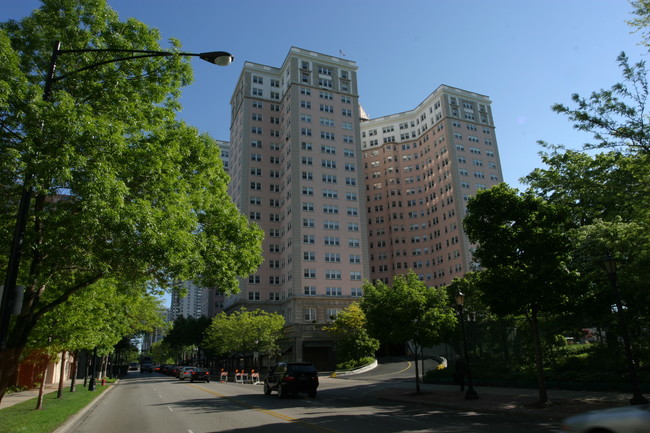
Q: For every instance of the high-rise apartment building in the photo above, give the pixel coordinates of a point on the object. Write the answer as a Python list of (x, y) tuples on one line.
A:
[(194, 303), (420, 167), (295, 163)]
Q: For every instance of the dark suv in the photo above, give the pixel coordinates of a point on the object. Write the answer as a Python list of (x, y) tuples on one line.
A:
[(291, 378)]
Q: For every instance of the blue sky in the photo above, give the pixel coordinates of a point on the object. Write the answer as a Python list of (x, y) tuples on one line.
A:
[(525, 55)]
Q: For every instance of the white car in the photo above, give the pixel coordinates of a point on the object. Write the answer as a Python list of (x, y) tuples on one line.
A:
[(627, 419)]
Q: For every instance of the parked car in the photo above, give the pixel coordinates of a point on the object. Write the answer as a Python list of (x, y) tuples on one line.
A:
[(185, 372), (291, 378), (200, 374), (133, 366), (626, 419)]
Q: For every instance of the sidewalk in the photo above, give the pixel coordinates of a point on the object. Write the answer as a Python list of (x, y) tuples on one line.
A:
[(515, 401)]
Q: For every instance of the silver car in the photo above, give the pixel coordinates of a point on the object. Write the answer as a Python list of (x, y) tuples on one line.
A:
[(185, 372), (627, 419)]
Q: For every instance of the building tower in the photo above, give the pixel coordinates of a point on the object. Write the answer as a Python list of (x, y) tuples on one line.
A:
[(295, 166), (421, 167)]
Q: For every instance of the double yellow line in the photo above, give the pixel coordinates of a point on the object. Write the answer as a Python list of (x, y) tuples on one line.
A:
[(267, 411)]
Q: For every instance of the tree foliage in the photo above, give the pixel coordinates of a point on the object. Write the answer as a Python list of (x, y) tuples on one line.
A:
[(524, 246), (616, 117), (352, 339), (187, 331), (245, 331), (408, 312), (121, 189)]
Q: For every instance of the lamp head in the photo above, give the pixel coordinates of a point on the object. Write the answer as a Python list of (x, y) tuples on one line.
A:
[(460, 299), (220, 58), (610, 264)]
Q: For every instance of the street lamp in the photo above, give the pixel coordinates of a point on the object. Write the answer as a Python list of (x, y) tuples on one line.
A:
[(610, 263), (220, 58), (471, 394)]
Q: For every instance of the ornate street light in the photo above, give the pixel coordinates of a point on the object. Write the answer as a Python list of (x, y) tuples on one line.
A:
[(220, 58), (471, 394), (610, 263)]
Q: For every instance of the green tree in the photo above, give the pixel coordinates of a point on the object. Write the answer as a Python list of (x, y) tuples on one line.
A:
[(353, 342), (245, 331), (121, 188), (408, 312), (616, 117), (524, 246)]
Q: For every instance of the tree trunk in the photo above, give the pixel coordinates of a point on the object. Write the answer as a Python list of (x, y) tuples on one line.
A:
[(417, 370), (41, 389), (59, 393), (10, 357), (539, 363), (75, 366)]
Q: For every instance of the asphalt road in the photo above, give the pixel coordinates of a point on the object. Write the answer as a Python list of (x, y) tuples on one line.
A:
[(152, 403)]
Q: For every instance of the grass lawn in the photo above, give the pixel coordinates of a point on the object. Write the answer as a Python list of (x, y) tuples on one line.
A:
[(24, 418)]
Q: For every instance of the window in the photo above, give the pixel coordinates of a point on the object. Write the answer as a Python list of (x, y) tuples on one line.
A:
[(307, 190), (333, 257), (309, 256), (326, 135), (254, 279), (332, 241), (330, 150), (330, 209), (328, 163), (309, 273), (355, 275), (308, 207), (357, 292), (308, 239), (333, 291), (310, 314), (309, 290), (331, 274), (355, 258), (309, 222), (330, 225), (330, 193), (253, 296), (353, 242)]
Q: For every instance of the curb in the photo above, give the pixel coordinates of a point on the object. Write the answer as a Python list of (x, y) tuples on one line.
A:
[(80, 416)]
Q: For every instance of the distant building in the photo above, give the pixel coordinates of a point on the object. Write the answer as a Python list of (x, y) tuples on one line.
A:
[(421, 167), (193, 304)]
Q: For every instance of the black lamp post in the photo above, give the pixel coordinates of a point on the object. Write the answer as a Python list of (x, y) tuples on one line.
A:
[(471, 394), (610, 266), (220, 58)]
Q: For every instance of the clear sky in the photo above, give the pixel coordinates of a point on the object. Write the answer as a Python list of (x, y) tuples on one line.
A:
[(525, 55)]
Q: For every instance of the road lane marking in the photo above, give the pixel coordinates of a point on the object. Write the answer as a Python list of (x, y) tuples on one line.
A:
[(268, 412)]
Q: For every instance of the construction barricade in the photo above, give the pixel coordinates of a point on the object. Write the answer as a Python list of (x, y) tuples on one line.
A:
[(255, 378)]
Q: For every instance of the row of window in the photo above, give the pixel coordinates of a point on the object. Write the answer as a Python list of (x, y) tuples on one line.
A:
[(330, 241)]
